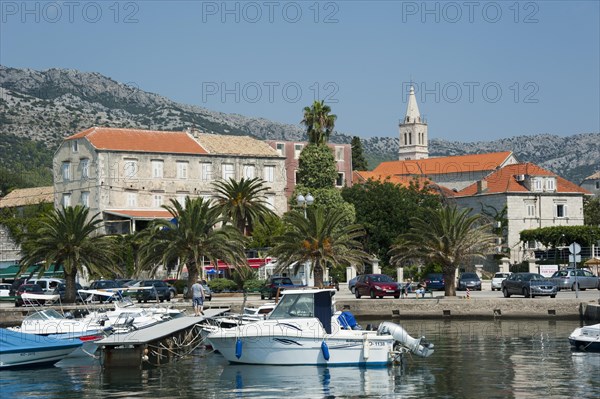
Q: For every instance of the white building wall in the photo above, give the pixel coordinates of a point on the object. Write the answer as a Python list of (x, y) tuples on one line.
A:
[(519, 217), (110, 183)]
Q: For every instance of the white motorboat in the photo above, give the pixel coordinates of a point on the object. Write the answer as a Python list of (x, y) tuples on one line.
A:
[(26, 350), (586, 338), (304, 329)]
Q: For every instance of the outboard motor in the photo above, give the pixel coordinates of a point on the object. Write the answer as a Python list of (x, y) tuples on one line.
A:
[(417, 346)]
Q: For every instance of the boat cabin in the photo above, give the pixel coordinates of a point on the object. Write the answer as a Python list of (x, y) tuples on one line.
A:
[(308, 303)]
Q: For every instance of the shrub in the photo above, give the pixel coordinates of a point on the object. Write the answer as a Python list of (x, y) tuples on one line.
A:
[(254, 285), (222, 284)]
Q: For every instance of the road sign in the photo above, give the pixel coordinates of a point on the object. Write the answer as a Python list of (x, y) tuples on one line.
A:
[(574, 258), (575, 248)]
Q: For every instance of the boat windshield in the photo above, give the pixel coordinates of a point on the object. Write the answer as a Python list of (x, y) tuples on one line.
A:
[(48, 314), (294, 305)]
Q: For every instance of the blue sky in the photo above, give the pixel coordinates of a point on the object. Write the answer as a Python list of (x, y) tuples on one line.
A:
[(482, 70)]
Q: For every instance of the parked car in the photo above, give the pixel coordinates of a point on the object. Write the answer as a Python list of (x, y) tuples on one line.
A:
[(566, 279), (103, 285), (14, 287), (435, 281), (352, 283), (498, 279), (376, 285), (61, 290), (470, 281), (47, 284), (275, 285), (31, 289), (5, 289), (160, 289), (528, 285)]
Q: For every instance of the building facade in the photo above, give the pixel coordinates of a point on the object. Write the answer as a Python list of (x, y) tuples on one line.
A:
[(532, 197), (592, 184), (291, 151), (126, 175)]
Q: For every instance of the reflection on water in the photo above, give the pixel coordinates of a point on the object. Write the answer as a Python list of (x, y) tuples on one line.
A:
[(490, 359)]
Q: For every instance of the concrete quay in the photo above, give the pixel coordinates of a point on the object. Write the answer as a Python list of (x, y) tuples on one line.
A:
[(480, 305)]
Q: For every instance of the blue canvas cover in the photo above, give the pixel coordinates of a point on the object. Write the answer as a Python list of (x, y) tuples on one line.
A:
[(15, 342)]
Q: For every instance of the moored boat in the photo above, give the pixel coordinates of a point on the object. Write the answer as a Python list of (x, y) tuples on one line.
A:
[(304, 329), (586, 338), (28, 350)]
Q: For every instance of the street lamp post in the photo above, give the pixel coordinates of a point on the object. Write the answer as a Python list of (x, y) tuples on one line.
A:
[(304, 202)]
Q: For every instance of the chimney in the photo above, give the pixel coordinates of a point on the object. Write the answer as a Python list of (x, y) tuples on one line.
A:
[(481, 186)]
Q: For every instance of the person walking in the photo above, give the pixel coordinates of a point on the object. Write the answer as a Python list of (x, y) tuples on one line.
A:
[(198, 298)]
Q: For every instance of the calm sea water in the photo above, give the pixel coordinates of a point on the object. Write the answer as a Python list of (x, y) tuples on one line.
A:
[(488, 359)]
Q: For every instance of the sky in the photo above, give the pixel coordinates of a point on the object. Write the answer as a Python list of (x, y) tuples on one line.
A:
[(481, 70)]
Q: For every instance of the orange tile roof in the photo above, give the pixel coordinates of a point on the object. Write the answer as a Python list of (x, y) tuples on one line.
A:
[(28, 196), (453, 164), (504, 181), (363, 176), (141, 214), (117, 139)]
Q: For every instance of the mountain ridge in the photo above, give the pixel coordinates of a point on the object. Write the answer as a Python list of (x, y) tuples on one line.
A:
[(49, 105)]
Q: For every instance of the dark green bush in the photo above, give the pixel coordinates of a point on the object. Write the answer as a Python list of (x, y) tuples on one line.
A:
[(254, 285), (222, 284)]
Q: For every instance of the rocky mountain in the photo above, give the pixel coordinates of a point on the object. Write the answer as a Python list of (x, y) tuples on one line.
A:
[(49, 105)]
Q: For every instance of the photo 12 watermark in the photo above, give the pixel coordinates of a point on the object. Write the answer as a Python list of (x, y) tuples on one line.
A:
[(452, 12), (473, 91), (252, 12), (52, 12), (269, 92)]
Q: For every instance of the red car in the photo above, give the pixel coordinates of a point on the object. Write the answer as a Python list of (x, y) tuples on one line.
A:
[(376, 285)]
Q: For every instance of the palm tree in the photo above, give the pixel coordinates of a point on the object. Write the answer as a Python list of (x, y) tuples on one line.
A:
[(69, 237), (243, 203), (318, 238), (446, 236), (319, 122), (190, 237)]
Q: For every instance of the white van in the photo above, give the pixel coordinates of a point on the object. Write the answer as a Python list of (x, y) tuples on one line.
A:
[(47, 284)]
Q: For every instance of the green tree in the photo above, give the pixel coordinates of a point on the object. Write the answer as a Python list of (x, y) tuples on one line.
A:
[(70, 237), (591, 211), (243, 203), (316, 167), (320, 239), (358, 158), (385, 210), (263, 233), (190, 237), (446, 236), (319, 122)]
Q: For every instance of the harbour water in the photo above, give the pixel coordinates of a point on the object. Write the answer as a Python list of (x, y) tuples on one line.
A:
[(473, 359)]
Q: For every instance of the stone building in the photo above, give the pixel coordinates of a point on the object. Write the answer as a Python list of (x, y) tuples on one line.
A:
[(127, 174), (592, 184), (19, 199), (534, 197), (413, 132), (291, 151)]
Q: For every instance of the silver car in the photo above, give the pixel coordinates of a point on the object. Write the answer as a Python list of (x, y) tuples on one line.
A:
[(565, 279), (498, 279)]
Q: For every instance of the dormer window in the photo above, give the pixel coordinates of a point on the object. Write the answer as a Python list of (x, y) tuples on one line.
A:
[(537, 185), (551, 184)]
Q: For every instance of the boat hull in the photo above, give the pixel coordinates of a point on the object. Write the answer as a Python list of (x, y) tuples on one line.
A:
[(35, 358), (344, 348), (586, 338)]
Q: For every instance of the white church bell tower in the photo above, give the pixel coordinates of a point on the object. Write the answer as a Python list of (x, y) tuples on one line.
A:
[(413, 132)]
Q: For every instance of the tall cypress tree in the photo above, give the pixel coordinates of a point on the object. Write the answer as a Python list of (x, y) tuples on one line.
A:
[(358, 158)]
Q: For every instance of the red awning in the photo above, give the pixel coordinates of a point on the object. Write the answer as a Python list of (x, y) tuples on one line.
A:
[(254, 263)]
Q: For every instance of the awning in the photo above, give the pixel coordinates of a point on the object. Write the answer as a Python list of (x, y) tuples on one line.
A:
[(11, 272), (140, 214), (254, 263)]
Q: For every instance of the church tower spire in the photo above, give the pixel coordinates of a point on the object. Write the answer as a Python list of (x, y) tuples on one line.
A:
[(413, 132)]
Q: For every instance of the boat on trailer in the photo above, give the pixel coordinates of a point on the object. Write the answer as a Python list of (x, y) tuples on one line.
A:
[(305, 329), (29, 350), (586, 338)]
